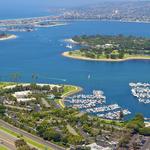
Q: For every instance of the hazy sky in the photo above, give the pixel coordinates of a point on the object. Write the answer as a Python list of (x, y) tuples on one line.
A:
[(11, 5), (72, 2), (6, 3), (10, 8)]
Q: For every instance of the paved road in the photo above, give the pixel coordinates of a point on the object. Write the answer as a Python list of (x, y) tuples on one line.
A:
[(7, 140), (35, 138), (147, 144)]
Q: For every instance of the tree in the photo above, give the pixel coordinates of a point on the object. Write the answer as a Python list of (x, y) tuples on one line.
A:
[(20, 143), (34, 77), (75, 140), (121, 115), (24, 147), (121, 55), (145, 131), (2, 110), (15, 76), (51, 134), (136, 123)]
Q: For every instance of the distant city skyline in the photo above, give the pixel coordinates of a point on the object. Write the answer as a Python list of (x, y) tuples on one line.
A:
[(19, 8)]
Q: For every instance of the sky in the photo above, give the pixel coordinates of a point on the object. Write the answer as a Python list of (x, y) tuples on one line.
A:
[(47, 2), (57, 3)]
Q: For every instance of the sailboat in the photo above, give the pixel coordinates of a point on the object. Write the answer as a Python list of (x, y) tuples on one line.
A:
[(89, 76), (69, 46)]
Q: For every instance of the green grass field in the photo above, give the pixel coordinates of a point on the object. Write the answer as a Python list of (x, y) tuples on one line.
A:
[(78, 53), (72, 130), (3, 147), (68, 90), (4, 84)]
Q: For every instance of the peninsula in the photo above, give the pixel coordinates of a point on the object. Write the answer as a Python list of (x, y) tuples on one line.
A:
[(30, 114), (28, 24), (110, 48)]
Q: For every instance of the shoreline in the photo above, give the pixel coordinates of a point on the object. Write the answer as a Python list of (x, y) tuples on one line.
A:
[(9, 85), (77, 90), (73, 20), (8, 37), (104, 20), (66, 54), (48, 26), (147, 124), (70, 40)]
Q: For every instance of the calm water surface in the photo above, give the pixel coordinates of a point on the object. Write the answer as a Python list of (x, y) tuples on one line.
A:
[(40, 52)]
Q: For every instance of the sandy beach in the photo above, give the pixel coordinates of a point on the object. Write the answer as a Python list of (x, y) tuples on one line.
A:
[(147, 124), (8, 37), (66, 54)]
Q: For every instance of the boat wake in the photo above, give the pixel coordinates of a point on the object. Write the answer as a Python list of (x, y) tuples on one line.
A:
[(56, 79)]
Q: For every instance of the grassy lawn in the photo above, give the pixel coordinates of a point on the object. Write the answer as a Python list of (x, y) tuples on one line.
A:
[(71, 130), (38, 145), (9, 131), (138, 56), (4, 84), (60, 102), (77, 53), (3, 147), (111, 122), (68, 90), (28, 140)]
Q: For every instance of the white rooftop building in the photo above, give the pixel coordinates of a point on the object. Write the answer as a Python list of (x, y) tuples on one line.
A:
[(23, 96), (94, 146)]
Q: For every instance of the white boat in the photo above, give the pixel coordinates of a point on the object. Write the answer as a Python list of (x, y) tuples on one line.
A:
[(69, 46)]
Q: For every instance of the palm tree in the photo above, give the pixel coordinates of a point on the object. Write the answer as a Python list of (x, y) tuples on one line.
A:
[(121, 115), (34, 77), (15, 76)]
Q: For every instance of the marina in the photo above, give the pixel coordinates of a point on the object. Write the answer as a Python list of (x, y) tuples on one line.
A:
[(113, 78), (95, 104), (141, 91), (114, 115)]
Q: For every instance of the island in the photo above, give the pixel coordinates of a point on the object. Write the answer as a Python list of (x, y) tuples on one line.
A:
[(110, 48), (4, 36)]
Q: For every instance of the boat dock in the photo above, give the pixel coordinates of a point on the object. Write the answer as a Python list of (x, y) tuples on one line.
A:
[(95, 104), (141, 91)]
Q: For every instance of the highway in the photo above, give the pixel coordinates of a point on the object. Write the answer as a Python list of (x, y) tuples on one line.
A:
[(147, 144), (33, 137), (7, 140)]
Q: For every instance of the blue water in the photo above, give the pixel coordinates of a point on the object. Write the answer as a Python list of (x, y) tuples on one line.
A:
[(40, 52)]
